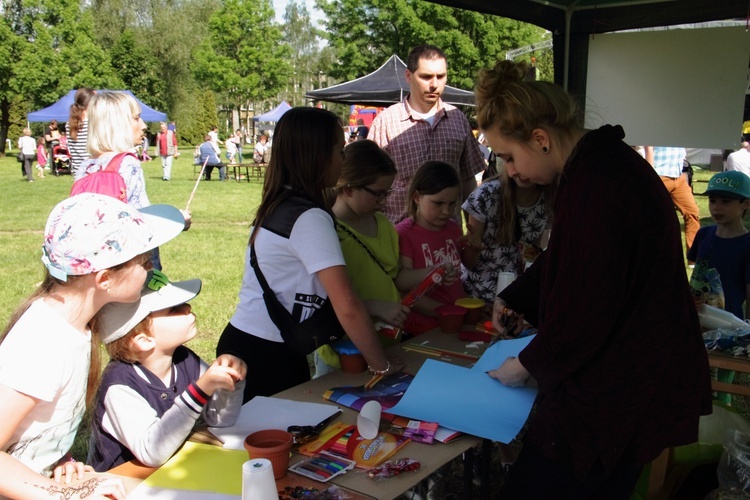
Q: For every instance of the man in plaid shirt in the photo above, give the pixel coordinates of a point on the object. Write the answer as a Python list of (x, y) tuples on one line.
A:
[(422, 127), (668, 162)]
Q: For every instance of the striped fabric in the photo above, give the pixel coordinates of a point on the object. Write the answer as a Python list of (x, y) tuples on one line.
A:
[(77, 148), (194, 398)]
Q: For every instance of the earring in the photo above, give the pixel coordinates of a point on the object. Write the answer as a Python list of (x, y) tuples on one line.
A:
[(109, 290), (545, 149)]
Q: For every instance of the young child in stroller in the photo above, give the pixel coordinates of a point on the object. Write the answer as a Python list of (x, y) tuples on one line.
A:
[(60, 160)]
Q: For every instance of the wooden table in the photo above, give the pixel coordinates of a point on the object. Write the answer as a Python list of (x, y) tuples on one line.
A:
[(718, 359), (432, 457), (257, 169)]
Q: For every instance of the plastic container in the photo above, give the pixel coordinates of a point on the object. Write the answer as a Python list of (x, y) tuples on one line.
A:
[(451, 317), (350, 358), (473, 309), (713, 318), (272, 444)]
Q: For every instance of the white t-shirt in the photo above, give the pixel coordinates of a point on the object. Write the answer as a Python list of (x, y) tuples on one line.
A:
[(289, 266), (43, 356)]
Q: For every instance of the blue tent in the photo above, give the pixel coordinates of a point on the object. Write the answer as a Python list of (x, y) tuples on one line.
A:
[(60, 111), (274, 114)]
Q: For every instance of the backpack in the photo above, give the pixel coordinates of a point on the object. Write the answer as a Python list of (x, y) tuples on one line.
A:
[(106, 181)]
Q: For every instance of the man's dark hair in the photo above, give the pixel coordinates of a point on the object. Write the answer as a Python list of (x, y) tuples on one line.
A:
[(424, 51)]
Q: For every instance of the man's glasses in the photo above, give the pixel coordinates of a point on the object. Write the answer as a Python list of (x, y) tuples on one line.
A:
[(379, 195)]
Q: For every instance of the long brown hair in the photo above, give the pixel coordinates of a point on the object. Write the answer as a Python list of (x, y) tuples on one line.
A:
[(507, 214), (303, 143), (364, 163), (78, 109)]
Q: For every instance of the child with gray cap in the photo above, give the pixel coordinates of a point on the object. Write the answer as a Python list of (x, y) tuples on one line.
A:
[(723, 251), (155, 389), (96, 251)]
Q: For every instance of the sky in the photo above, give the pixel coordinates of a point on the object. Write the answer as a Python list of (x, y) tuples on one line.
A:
[(279, 6)]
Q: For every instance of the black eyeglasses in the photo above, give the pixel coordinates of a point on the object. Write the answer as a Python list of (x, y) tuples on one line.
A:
[(379, 195)]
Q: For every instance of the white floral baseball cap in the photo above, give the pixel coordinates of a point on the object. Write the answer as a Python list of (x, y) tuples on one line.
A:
[(89, 232), (117, 319)]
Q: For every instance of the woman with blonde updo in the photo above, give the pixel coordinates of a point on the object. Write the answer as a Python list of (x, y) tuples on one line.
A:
[(618, 358)]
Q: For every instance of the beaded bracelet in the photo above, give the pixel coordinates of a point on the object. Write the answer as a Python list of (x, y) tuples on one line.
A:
[(379, 372)]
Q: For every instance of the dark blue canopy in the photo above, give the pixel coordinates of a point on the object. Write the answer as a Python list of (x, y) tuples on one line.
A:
[(274, 114), (60, 111)]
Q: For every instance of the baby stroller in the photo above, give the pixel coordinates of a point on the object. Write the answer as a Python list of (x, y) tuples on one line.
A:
[(60, 160)]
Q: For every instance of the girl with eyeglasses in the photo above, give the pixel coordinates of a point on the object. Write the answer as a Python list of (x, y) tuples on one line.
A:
[(368, 241)]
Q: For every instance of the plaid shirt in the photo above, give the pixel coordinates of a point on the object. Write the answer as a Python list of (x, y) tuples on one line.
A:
[(411, 141), (668, 161)]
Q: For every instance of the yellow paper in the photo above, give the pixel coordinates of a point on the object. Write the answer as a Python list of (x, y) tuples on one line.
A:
[(202, 467)]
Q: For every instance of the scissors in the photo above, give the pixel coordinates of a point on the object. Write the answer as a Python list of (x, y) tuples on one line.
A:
[(305, 433)]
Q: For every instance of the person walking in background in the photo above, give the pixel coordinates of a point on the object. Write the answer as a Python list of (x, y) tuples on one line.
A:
[(618, 358), (214, 135), (210, 158), (436, 131), (740, 159), (166, 143), (27, 145), (41, 157), (668, 161), (238, 141), (362, 130)]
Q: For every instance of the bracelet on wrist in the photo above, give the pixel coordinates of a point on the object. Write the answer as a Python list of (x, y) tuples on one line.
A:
[(379, 372)]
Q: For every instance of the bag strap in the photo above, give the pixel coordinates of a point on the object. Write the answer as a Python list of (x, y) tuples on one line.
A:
[(116, 161), (351, 233), (258, 272)]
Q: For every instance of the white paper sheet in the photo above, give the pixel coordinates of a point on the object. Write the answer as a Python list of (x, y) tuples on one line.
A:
[(262, 413)]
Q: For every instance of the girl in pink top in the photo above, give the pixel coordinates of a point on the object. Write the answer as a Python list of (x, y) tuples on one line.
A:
[(41, 157), (430, 237)]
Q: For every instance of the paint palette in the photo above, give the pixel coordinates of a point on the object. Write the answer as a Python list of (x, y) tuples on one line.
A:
[(322, 467)]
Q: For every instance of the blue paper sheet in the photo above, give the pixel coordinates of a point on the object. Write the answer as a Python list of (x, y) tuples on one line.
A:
[(469, 400)]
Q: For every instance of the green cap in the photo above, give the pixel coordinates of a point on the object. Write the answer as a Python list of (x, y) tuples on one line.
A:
[(730, 184)]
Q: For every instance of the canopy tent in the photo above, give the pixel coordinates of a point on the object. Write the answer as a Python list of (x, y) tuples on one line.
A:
[(60, 111), (275, 114), (383, 87), (571, 22)]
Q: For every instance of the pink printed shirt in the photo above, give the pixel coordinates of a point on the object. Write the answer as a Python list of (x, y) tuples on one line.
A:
[(411, 141)]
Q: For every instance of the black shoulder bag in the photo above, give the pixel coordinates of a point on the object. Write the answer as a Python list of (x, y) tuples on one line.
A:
[(320, 328)]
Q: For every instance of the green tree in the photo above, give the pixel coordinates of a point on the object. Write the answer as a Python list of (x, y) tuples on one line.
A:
[(302, 38), (47, 50), (364, 33), (243, 60)]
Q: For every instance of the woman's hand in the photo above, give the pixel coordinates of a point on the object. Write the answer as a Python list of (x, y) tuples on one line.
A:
[(68, 470), (511, 373), (505, 320), (392, 313)]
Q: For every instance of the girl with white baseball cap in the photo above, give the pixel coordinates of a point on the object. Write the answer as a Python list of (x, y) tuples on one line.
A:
[(96, 251)]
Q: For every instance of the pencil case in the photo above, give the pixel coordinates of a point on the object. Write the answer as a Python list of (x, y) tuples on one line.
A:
[(322, 467)]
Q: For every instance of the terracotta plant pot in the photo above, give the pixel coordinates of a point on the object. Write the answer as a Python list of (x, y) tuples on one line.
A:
[(451, 317), (272, 444), (473, 309), (350, 358)]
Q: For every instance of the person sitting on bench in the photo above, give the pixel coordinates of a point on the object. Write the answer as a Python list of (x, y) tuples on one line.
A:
[(208, 151)]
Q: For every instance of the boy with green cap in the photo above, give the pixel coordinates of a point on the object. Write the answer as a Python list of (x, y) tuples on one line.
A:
[(725, 246), (723, 250)]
